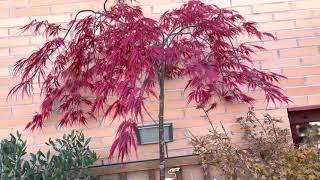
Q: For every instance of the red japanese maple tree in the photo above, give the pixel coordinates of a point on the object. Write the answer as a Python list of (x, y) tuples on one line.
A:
[(117, 57)]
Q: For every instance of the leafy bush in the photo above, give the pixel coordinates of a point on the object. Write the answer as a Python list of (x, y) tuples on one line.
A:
[(12, 164), (69, 157), (269, 153)]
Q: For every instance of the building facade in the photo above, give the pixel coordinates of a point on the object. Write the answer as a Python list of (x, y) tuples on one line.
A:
[(295, 54)]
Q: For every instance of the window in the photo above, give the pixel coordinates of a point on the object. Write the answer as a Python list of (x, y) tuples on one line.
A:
[(149, 134), (304, 123)]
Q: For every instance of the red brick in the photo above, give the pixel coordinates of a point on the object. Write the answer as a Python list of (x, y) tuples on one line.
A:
[(3, 102), (193, 111), (244, 2), (295, 33), (176, 104), (4, 4), (17, 32), (265, 55), (5, 81), (249, 2), (311, 60), (278, 44), (15, 101), (42, 138), (74, 1), (169, 105), (301, 91), (148, 148), (50, 127), (280, 63), (20, 100), (58, 18), (4, 90), (23, 50), (13, 22), (279, 112), (221, 3), (299, 52), (5, 133), (4, 52), (4, 32), (293, 15), (4, 12), (179, 144), (173, 95), (309, 41), (302, 71), (236, 107), (8, 61), (173, 114), (40, 2), (38, 40), (29, 11), (316, 12), (246, 38), (175, 84), (73, 7), (314, 100), (298, 101), (188, 123), (276, 25), (17, 3), (308, 23), (310, 80), (274, 7), (234, 128), (36, 98), (100, 132), (5, 112), (259, 17), (13, 122), (198, 131), (4, 71), (305, 4), (243, 10), (179, 133), (222, 117), (11, 42), (27, 111), (161, 8), (291, 82)]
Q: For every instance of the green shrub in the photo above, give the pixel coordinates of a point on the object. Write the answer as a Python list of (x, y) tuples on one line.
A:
[(12, 164), (269, 153), (67, 159)]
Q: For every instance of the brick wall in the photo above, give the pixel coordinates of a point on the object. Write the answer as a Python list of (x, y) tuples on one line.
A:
[(295, 54)]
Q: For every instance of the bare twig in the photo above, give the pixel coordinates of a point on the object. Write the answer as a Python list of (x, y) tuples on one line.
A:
[(150, 115), (76, 17), (105, 5), (207, 116)]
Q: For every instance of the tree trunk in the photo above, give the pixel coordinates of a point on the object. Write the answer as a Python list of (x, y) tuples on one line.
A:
[(161, 120), (205, 169)]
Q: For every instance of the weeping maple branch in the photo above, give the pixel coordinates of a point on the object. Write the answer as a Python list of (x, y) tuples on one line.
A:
[(111, 64)]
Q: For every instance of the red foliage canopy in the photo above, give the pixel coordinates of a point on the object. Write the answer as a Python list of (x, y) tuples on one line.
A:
[(112, 63)]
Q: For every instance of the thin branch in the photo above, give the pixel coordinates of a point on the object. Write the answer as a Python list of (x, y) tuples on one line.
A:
[(261, 125), (75, 18), (150, 115), (224, 129), (105, 5), (173, 34), (211, 124), (207, 115)]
